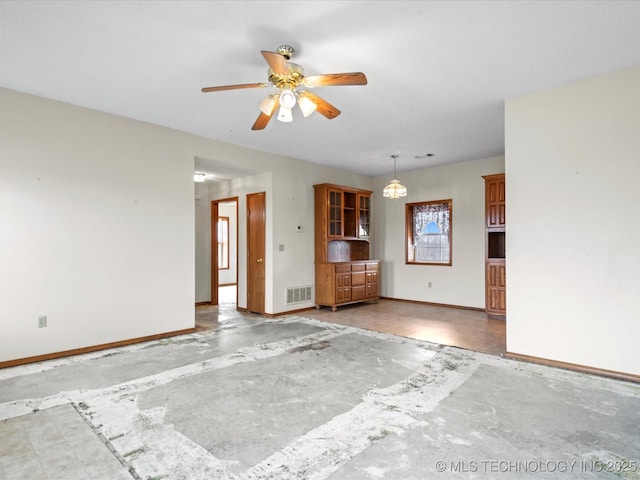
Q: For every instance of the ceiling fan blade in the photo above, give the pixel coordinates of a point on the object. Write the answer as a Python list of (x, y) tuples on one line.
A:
[(261, 121), (263, 118), (331, 79), (277, 62), (323, 107), (236, 87)]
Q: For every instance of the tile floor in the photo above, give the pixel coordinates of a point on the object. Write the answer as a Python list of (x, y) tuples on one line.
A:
[(55, 443)]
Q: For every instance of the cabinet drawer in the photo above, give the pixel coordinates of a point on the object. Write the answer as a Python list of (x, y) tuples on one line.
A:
[(343, 268), (357, 278), (372, 266), (357, 267), (358, 293)]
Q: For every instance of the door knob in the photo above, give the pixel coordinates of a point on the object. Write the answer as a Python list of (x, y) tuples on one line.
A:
[(259, 260)]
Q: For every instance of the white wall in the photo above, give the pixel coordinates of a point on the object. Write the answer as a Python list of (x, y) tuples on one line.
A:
[(203, 242), (96, 228), (573, 164), (461, 284)]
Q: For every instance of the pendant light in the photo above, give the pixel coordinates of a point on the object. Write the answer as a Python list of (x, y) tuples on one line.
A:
[(395, 189)]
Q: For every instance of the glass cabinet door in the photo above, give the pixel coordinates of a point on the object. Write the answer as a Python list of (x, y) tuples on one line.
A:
[(335, 213), (364, 215)]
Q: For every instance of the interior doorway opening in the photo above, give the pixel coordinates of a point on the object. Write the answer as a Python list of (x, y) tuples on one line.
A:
[(227, 295), (224, 252)]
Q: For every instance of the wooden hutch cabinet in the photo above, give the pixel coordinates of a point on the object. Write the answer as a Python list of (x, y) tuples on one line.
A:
[(495, 263), (344, 272)]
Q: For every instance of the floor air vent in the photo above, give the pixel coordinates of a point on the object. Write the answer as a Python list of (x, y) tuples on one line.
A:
[(299, 294)]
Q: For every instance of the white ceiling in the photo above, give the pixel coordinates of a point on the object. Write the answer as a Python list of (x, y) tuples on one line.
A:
[(438, 71)]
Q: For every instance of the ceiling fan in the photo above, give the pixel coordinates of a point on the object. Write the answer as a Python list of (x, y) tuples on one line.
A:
[(291, 83)]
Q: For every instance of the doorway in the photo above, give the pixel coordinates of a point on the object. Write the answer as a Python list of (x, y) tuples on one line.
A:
[(224, 252)]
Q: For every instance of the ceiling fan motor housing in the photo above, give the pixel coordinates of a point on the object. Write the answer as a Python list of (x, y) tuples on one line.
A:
[(291, 80)]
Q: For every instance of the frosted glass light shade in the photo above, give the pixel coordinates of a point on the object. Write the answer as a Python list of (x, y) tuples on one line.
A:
[(284, 115), (268, 104), (394, 190), (306, 105)]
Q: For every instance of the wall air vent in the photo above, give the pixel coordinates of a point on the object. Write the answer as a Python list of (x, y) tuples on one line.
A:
[(299, 294)]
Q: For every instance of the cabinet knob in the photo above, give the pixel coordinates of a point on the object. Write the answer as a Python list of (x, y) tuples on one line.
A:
[(259, 260)]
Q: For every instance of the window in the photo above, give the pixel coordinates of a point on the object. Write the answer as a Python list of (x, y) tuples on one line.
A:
[(223, 243), (429, 232)]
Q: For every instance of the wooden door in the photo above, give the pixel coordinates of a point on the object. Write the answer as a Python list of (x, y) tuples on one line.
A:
[(256, 224)]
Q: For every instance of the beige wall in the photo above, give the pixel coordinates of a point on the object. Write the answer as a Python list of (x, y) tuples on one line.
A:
[(203, 242), (96, 228), (573, 164), (462, 283)]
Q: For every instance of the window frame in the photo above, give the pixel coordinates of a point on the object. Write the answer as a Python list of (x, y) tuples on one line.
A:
[(223, 243), (409, 235)]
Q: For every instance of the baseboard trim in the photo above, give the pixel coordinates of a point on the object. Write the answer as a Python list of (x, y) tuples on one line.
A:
[(432, 304), (629, 377), (200, 304), (417, 302), (94, 348)]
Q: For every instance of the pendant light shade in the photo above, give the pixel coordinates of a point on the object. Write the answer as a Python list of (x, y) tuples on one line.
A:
[(268, 104), (395, 189), (284, 115), (306, 105)]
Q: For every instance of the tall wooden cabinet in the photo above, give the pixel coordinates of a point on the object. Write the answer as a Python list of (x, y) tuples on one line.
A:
[(495, 262), (344, 272)]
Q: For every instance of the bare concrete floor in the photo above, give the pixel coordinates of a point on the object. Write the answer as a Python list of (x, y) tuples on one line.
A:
[(299, 398)]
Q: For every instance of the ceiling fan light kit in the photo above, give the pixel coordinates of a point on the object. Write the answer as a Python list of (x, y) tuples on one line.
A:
[(287, 77)]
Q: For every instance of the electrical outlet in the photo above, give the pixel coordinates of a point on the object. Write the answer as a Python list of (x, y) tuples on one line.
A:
[(429, 284), (42, 321)]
